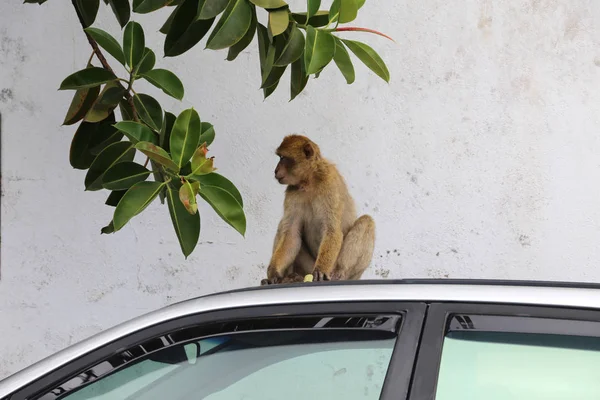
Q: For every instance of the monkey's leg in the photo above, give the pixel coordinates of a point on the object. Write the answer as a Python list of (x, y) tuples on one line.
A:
[(357, 250), (303, 264)]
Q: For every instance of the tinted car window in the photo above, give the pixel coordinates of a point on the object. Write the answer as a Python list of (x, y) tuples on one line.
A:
[(317, 364)]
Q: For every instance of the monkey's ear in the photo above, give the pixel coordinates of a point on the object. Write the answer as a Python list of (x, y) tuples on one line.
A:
[(308, 150)]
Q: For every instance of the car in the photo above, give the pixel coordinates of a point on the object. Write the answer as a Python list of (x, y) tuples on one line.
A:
[(371, 339)]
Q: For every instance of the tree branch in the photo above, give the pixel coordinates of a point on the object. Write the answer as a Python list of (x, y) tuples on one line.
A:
[(102, 59)]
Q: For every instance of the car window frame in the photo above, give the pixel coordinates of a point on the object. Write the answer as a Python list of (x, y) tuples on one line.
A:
[(395, 385), (427, 367)]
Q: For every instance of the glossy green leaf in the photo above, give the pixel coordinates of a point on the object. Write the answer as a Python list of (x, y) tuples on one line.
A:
[(215, 179), (343, 61), (149, 110), (124, 175), (187, 226), (232, 26), (147, 63), (157, 154), (208, 133), (126, 110), (122, 11), (108, 43), (319, 19), (81, 103), (343, 11), (111, 155), (167, 25), (106, 135), (275, 73), (298, 79), (319, 49), (208, 9), (114, 197), (137, 198), (312, 7), (165, 132), (269, 4), (225, 204), (86, 78), (293, 48), (267, 91), (106, 102), (263, 49), (88, 10), (185, 136), (279, 21), (158, 177), (167, 81), (271, 73), (148, 6), (136, 132), (201, 165), (360, 3), (133, 43), (244, 42), (87, 138), (187, 196), (108, 229), (185, 30), (369, 57)]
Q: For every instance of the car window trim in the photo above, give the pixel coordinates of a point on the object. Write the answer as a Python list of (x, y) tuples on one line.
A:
[(413, 311), (425, 377)]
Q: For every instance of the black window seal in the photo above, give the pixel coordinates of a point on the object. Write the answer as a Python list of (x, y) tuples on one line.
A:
[(424, 383), (413, 311)]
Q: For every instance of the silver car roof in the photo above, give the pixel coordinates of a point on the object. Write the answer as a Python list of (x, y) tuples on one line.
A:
[(576, 295)]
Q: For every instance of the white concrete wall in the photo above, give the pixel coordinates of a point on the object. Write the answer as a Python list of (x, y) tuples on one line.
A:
[(480, 159)]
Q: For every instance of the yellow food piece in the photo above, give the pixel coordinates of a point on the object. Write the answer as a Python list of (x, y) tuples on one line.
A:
[(308, 278)]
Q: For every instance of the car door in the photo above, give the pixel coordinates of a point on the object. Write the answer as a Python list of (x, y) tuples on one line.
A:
[(493, 352), (350, 350)]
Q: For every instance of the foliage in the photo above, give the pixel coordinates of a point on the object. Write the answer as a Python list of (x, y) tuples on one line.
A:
[(176, 146)]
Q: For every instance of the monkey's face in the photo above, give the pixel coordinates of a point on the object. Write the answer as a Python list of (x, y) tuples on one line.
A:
[(284, 171), (296, 157)]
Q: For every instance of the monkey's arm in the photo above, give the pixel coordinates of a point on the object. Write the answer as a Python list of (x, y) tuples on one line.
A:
[(287, 246), (333, 238)]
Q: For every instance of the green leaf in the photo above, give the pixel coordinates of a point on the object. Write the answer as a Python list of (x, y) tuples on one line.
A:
[(185, 31), (158, 177), (343, 11), (167, 25), (106, 102), (87, 138), (319, 49), (165, 132), (126, 110), (136, 132), (137, 198), (208, 133), (121, 10), (167, 81), (147, 63), (124, 175), (106, 135), (111, 155), (215, 179), (133, 43), (148, 6), (293, 48), (279, 21), (187, 226), (360, 3), (269, 90), (244, 42), (298, 79), (81, 103), (232, 26), (110, 228), (157, 154), (88, 9), (208, 9), (114, 198), (369, 57), (269, 4), (225, 204), (343, 61), (200, 164), (149, 110), (319, 19), (86, 78), (275, 73), (108, 43), (185, 136), (312, 7), (187, 196)]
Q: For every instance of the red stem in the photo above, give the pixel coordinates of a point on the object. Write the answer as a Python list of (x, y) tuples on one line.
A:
[(354, 29)]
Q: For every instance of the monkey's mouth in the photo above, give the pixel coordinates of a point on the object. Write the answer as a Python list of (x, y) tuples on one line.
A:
[(280, 180)]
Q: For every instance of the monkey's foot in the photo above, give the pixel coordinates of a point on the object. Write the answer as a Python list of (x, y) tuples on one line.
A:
[(273, 281), (319, 276)]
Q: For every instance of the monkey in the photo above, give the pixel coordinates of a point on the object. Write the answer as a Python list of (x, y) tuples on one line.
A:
[(319, 232)]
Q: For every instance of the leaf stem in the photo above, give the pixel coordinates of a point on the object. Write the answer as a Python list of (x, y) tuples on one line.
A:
[(356, 29)]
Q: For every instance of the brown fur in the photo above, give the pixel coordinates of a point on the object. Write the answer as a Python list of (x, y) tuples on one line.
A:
[(319, 233)]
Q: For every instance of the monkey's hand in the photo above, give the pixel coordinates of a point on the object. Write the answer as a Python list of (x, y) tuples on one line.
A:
[(319, 276)]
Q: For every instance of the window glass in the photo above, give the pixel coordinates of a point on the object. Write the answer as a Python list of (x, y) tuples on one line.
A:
[(518, 366), (308, 364)]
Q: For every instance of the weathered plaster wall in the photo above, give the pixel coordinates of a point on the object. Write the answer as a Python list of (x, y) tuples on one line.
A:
[(480, 159)]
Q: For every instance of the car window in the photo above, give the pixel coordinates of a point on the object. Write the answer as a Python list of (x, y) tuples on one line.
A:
[(295, 364), (501, 365)]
